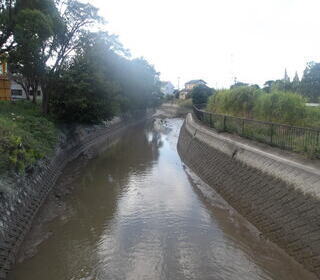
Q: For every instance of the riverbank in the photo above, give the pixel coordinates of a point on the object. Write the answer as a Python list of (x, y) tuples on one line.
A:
[(20, 202), (279, 195), (25, 137), (136, 212)]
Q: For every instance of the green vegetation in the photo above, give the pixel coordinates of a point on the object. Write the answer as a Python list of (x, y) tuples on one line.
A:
[(25, 136), (85, 76), (308, 86), (238, 101), (277, 106), (187, 103), (200, 94)]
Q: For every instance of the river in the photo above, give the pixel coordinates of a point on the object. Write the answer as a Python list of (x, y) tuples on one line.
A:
[(136, 212)]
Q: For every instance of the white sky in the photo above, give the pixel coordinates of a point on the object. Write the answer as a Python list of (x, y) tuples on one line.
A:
[(216, 40)]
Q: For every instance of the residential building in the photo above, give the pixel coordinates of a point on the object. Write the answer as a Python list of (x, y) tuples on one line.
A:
[(17, 91), (185, 93), (193, 83)]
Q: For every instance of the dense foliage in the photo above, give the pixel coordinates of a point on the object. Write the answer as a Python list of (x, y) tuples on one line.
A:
[(238, 101), (308, 87), (286, 107), (25, 136), (276, 106), (85, 76), (200, 94)]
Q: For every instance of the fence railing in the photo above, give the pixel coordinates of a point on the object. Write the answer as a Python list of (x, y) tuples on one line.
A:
[(286, 137)]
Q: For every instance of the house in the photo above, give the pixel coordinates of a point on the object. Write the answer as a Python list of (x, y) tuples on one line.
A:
[(9, 89), (185, 93), (17, 91), (193, 83), (167, 88)]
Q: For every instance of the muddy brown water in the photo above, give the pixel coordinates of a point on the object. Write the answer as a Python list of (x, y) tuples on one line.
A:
[(137, 212)]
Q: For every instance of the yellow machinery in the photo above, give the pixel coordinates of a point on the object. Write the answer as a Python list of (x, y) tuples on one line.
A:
[(5, 84)]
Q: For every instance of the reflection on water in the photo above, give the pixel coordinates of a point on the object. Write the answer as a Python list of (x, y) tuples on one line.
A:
[(137, 213)]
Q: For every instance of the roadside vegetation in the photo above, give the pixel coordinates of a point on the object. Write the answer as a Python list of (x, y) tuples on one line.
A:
[(277, 106), (25, 136)]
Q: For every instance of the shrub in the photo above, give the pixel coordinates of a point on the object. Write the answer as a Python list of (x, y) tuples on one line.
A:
[(200, 94), (279, 106), (238, 101), (25, 136)]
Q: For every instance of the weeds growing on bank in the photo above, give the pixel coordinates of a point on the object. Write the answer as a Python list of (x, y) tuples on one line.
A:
[(25, 136)]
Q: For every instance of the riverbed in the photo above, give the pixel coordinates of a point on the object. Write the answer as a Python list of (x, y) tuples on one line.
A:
[(136, 212)]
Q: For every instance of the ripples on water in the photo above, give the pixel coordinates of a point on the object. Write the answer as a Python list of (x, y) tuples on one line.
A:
[(138, 213)]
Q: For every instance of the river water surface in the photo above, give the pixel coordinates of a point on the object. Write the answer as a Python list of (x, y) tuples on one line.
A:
[(137, 213)]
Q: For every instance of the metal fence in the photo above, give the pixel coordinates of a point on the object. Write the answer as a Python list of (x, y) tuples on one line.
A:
[(286, 137)]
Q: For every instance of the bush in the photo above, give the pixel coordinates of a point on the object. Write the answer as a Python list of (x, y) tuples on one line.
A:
[(279, 106), (238, 101), (312, 117), (200, 94)]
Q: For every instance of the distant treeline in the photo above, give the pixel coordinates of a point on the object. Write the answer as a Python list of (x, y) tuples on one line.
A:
[(86, 76)]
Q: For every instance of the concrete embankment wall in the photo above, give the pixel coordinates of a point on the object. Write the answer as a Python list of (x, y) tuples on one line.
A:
[(279, 196), (19, 205)]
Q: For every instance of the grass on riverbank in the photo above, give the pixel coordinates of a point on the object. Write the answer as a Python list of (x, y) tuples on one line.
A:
[(25, 136)]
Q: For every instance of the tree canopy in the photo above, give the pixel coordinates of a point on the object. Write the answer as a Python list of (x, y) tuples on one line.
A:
[(84, 75)]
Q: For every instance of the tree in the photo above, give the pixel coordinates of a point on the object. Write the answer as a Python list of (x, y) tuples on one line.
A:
[(100, 81), (239, 84), (7, 15), (86, 91), (310, 82), (70, 25), (27, 65), (295, 83), (200, 94), (285, 84), (268, 86)]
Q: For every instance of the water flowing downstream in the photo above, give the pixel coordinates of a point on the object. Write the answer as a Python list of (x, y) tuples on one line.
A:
[(137, 212)]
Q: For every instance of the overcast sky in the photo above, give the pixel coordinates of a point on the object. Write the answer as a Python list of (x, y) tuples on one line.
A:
[(216, 40)]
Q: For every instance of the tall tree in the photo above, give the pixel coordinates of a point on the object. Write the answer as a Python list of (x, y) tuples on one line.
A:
[(75, 18), (310, 82), (268, 86), (31, 31), (285, 84), (295, 82), (8, 11)]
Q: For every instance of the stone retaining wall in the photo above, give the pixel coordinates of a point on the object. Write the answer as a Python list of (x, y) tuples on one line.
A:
[(19, 205), (279, 196)]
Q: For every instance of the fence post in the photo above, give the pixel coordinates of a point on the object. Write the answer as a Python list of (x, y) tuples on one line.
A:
[(243, 127), (211, 120), (271, 134), (224, 122)]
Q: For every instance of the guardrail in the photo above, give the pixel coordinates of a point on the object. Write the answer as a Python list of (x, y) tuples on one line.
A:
[(298, 139)]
